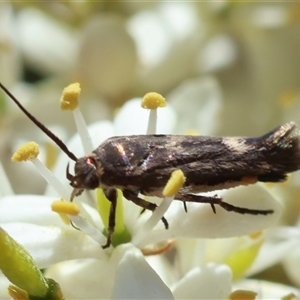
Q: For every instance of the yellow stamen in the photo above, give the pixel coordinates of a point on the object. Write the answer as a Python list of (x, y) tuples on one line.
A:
[(174, 184), (27, 151), (242, 295), (65, 207), (153, 101), (69, 98)]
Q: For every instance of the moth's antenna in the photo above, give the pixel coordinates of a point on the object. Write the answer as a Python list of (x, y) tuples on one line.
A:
[(50, 134)]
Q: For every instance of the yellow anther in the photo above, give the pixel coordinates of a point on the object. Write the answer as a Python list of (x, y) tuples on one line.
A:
[(256, 235), (242, 295), (191, 132), (174, 184), (153, 101), (65, 207), (27, 151), (288, 99), (69, 98)]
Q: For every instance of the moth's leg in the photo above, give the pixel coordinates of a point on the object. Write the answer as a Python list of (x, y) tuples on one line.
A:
[(111, 194), (199, 199), (218, 201), (132, 196)]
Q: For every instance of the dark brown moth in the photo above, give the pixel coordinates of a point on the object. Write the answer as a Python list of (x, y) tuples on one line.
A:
[(142, 164)]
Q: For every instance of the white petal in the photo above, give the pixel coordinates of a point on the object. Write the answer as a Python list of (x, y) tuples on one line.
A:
[(270, 16), (166, 23), (228, 224), (157, 34), (100, 131), (107, 56), (165, 268), (135, 279), (41, 49), (207, 282), (292, 264), (197, 253), (199, 102), (4, 283), (24, 176), (140, 236), (177, 65), (179, 18), (49, 245), (219, 53), (132, 119), (5, 186), (28, 208), (201, 222), (273, 253), (267, 289), (10, 57), (84, 279)]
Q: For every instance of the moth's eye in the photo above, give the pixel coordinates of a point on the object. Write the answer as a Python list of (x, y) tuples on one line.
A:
[(86, 176), (92, 181), (76, 182), (87, 180)]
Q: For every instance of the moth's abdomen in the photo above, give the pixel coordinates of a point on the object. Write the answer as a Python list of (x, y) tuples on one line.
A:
[(281, 149)]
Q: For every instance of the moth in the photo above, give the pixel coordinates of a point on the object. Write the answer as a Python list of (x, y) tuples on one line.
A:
[(142, 164)]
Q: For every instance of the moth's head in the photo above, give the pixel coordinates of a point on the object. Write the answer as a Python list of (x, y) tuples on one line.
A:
[(88, 173)]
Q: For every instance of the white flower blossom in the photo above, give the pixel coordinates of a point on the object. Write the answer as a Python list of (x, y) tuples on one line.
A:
[(225, 68), (30, 221)]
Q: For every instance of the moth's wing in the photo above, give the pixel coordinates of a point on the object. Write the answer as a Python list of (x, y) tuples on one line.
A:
[(148, 161), (165, 153)]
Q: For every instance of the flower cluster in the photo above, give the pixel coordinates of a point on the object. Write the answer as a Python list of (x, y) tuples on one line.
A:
[(76, 260), (225, 68)]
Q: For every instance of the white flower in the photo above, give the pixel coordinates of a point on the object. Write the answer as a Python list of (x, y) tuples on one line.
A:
[(30, 221), (10, 59), (38, 29), (199, 283), (267, 289)]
